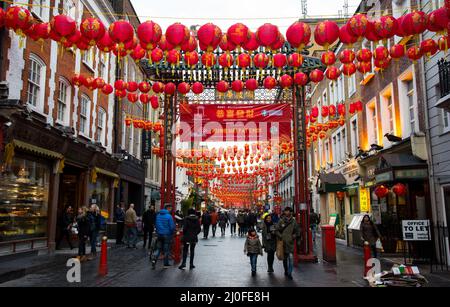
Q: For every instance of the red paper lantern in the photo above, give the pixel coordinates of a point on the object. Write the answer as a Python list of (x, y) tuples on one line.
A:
[(381, 191), (325, 111), (121, 32), (443, 43), (328, 58), (132, 86), (414, 53), (349, 69), (174, 57), (197, 88), (298, 35), (261, 60), (316, 75), (120, 85), (286, 81), (77, 80), (399, 189), (301, 79), (144, 98), (154, 101), (244, 60), (347, 56), (75, 39), (267, 35), (184, 88), (18, 19), (332, 110), (226, 60), (382, 64), (414, 23), (144, 87), (295, 60), (352, 109), (438, 20), (359, 106), (237, 86), (357, 25), (170, 88), (190, 45), (177, 34), (64, 26), (149, 34), (364, 55), (371, 35), (429, 47), (92, 29), (121, 93), (208, 59), (128, 121), (222, 87), (332, 73), (341, 109), (397, 51), (381, 53), (191, 58), (279, 60), (39, 31), (251, 85), (226, 45), (386, 27), (364, 67), (326, 33), (2, 18), (105, 44), (238, 34), (99, 83), (158, 87), (164, 44), (269, 83), (138, 53), (157, 55), (132, 97), (279, 43), (107, 89), (314, 112), (346, 37), (209, 36)]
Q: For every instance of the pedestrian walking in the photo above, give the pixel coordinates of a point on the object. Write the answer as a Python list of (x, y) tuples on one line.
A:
[(223, 223), (179, 218), (246, 222), (314, 221), (269, 241), (131, 226), (214, 219), (94, 228), (165, 228), (253, 248), (275, 217), (232, 219), (148, 223), (370, 233), (119, 218), (191, 229), (67, 220), (287, 230), (241, 221), (206, 222), (83, 232), (252, 219)]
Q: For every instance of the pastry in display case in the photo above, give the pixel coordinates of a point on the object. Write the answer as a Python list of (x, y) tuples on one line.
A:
[(24, 201)]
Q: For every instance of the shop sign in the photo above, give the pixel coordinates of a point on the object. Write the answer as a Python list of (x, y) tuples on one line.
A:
[(364, 199), (411, 174), (376, 213), (146, 145), (416, 230), (384, 177)]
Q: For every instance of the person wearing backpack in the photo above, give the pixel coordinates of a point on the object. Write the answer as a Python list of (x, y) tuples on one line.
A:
[(165, 229), (288, 231), (206, 222)]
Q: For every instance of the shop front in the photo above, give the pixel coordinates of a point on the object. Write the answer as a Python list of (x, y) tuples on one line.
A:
[(131, 188)]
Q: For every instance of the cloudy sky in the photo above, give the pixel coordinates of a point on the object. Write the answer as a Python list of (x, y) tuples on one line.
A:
[(227, 12)]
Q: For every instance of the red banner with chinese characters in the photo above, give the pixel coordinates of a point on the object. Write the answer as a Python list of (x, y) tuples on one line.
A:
[(235, 123)]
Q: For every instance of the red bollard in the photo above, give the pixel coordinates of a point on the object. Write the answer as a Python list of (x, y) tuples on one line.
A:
[(367, 256), (176, 250), (103, 268)]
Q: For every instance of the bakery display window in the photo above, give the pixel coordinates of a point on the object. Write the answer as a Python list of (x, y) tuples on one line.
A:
[(100, 192), (24, 191)]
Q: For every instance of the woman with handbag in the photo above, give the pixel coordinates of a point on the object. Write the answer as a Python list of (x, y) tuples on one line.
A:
[(370, 233), (269, 240), (287, 232)]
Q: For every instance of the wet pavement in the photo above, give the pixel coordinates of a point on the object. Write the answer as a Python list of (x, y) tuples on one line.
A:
[(219, 262)]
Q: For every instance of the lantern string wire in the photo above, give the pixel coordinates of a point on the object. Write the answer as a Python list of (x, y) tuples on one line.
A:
[(336, 18)]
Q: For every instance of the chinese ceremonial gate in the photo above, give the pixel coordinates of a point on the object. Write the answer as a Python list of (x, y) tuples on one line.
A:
[(177, 106)]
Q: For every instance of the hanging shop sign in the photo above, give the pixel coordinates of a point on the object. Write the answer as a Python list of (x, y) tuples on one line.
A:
[(364, 199), (416, 230), (146, 145)]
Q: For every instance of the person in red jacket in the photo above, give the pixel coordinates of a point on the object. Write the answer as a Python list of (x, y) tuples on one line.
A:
[(214, 220)]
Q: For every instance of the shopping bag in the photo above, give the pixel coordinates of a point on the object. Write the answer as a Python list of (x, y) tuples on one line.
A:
[(280, 250), (379, 245)]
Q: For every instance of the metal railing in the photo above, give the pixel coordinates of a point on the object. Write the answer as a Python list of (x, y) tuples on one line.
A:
[(444, 77), (440, 235)]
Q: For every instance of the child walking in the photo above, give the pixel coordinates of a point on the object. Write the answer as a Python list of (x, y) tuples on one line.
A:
[(253, 248)]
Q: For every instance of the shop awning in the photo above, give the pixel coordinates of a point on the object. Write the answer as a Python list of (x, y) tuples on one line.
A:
[(400, 166), (36, 150), (106, 173), (330, 182)]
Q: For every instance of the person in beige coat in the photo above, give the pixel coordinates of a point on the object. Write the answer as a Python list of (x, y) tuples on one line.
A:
[(131, 226)]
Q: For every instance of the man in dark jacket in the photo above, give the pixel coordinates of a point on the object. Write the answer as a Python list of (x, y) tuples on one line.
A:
[(206, 222), (314, 221), (288, 231), (119, 218), (165, 228), (148, 223), (93, 217), (67, 220), (191, 229), (252, 220)]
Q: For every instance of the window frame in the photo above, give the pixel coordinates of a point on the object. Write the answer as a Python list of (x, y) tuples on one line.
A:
[(101, 131), (40, 84), (85, 116), (66, 102)]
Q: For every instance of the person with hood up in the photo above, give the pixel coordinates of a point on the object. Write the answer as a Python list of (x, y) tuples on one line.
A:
[(165, 228), (253, 248), (191, 229)]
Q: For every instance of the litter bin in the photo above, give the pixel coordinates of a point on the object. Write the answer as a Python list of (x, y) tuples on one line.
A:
[(328, 243)]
